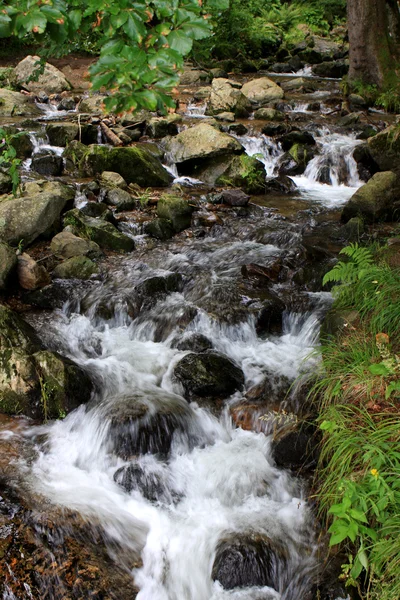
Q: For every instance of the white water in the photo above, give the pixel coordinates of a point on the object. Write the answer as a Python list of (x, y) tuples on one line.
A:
[(40, 142), (197, 111)]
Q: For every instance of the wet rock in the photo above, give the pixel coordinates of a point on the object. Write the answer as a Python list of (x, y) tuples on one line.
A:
[(121, 199), (67, 245), (5, 183), (52, 81), (270, 316), (296, 160), (235, 128), (227, 97), (366, 165), (269, 114), (34, 381), (208, 375), (202, 141), (100, 210), (22, 142), (41, 209), (60, 134), (134, 477), (104, 234), (194, 342), (161, 229), (263, 273), (8, 263), (176, 210), (134, 164), (244, 561), (350, 120), (299, 84), (73, 154), (15, 104), (31, 275), (56, 294), (367, 132), (280, 185), (288, 140), (352, 230), (294, 449), (335, 69), (67, 103), (142, 424), (159, 127), (48, 163), (152, 289), (77, 267), (273, 129), (356, 102), (245, 172), (262, 91), (385, 148), (113, 180), (376, 200), (234, 198)]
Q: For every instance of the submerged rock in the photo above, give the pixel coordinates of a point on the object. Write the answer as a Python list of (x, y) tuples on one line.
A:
[(194, 342), (208, 375)]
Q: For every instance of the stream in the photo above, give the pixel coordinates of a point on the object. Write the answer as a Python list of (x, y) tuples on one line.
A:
[(183, 492)]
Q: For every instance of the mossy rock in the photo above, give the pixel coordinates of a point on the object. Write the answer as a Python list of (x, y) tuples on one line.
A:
[(73, 155), (245, 172), (103, 233), (60, 134), (377, 200), (385, 148), (76, 267), (176, 210), (135, 165), (8, 264), (161, 229), (208, 375)]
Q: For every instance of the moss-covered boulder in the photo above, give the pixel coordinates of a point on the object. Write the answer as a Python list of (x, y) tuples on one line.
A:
[(47, 163), (176, 210), (208, 375), (161, 229), (135, 165), (385, 148), (245, 172), (8, 263), (378, 199), (15, 104), (77, 267), (41, 208), (60, 134), (66, 245), (113, 180), (262, 91), (103, 233), (202, 142), (34, 381)]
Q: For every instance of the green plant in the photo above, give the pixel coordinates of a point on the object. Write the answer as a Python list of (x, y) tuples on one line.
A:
[(8, 157), (389, 100)]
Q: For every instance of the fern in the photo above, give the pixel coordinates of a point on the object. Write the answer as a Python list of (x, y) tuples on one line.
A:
[(361, 260)]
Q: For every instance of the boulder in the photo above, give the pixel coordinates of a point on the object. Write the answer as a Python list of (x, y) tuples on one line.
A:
[(22, 142), (176, 210), (295, 161), (41, 210), (294, 449), (51, 81), (280, 185), (200, 142), (151, 485), (121, 199), (60, 134), (47, 163), (241, 171), (8, 263), (191, 76), (73, 155), (225, 116), (208, 375), (161, 229), (299, 84), (385, 148), (159, 127), (113, 180), (194, 342), (288, 140), (269, 319), (135, 164), (262, 91), (269, 114), (226, 97), (15, 104), (67, 245), (378, 199), (31, 275), (92, 104), (234, 198), (67, 103), (34, 381), (335, 69), (97, 230), (77, 267)]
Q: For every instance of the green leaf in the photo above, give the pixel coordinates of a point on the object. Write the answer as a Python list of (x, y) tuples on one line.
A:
[(180, 42), (75, 18), (5, 26), (338, 537), (362, 557), (357, 568), (378, 369), (358, 515), (52, 14), (34, 21), (197, 29), (119, 19), (134, 29)]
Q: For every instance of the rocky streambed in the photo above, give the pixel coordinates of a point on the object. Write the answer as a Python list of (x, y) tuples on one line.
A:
[(162, 298)]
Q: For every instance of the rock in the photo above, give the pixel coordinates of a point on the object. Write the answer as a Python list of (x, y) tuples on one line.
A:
[(41, 210), (322, 49), (299, 84), (234, 198), (159, 127), (176, 210), (226, 116), (31, 275), (245, 561), (202, 141), (8, 263), (92, 104), (269, 114), (385, 148), (366, 165), (67, 245), (273, 129), (352, 230), (151, 290), (67, 104), (134, 164), (113, 180), (270, 317), (241, 171), (60, 134), (280, 185), (335, 70), (34, 381), (356, 102), (202, 93), (226, 97), (15, 104), (336, 321), (161, 229), (52, 81), (236, 128), (77, 267), (55, 295), (350, 120), (151, 485), (296, 160), (191, 76), (5, 183), (48, 163), (288, 140), (367, 132), (262, 91), (22, 142), (104, 234), (294, 449), (208, 375), (73, 155), (376, 200), (99, 209), (121, 199), (217, 72), (194, 342)]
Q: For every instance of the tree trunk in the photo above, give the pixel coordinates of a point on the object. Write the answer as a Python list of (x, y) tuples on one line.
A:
[(373, 51)]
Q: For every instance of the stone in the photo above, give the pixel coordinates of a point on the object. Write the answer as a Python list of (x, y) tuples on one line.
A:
[(22, 143), (299, 84), (236, 128), (104, 234), (352, 230), (31, 275), (66, 245), (226, 116), (176, 210), (152, 289), (385, 148), (335, 69), (295, 161), (121, 199), (269, 319), (34, 381), (294, 449), (366, 165), (161, 229), (241, 171), (280, 185), (113, 180), (5, 183), (60, 134), (52, 81), (202, 141), (262, 91), (100, 210), (41, 210), (77, 267), (73, 154), (377, 200), (8, 263), (208, 375), (269, 114), (226, 97), (194, 342), (135, 164), (159, 127), (15, 104), (67, 104), (92, 104), (234, 198), (288, 140), (191, 76), (151, 485), (48, 163)]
